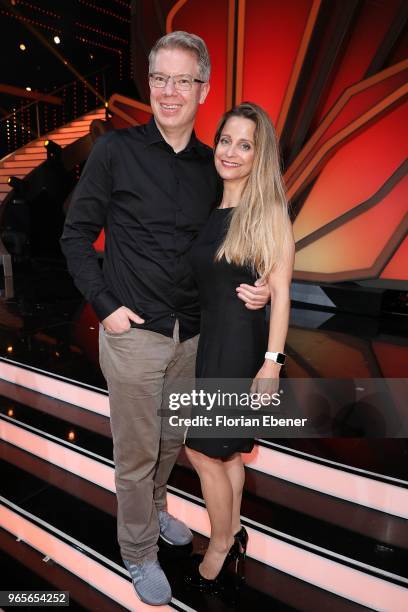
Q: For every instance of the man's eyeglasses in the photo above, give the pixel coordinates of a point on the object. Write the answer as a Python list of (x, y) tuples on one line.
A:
[(182, 82)]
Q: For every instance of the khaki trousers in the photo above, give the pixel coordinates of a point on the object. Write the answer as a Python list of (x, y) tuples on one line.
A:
[(140, 366)]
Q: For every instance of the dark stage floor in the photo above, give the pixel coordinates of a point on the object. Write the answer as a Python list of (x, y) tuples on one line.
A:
[(56, 466)]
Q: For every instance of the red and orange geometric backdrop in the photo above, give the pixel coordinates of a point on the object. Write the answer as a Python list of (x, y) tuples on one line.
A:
[(333, 77)]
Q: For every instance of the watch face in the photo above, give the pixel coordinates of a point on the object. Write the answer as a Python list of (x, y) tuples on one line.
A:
[(280, 358)]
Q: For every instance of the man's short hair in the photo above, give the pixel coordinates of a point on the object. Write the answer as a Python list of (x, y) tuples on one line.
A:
[(188, 42)]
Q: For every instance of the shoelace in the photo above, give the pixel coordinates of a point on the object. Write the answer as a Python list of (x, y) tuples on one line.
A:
[(139, 570)]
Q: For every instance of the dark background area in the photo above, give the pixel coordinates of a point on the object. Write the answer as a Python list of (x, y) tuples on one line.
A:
[(95, 37)]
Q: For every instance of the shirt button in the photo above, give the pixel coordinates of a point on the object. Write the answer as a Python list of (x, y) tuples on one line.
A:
[(172, 315)]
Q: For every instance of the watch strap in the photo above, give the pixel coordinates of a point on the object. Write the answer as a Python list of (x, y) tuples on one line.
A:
[(276, 357)]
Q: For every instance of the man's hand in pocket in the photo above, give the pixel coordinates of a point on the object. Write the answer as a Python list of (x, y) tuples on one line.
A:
[(119, 321)]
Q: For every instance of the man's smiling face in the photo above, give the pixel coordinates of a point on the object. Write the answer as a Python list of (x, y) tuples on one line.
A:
[(176, 110)]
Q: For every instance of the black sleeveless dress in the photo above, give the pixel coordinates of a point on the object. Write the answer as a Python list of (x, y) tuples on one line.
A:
[(233, 339)]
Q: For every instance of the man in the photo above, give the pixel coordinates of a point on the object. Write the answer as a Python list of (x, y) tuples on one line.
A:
[(152, 188)]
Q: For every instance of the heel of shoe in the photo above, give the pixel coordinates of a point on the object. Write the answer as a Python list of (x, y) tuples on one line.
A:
[(240, 567), (244, 542), (232, 555), (241, 538)]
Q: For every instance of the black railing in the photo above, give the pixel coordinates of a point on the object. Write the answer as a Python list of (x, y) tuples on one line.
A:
[(28, 122)]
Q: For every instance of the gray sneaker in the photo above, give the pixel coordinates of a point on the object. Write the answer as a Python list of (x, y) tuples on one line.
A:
[(150, 582), (173, 531)]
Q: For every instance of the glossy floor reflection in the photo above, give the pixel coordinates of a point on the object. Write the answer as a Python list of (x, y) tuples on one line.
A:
[(47, 325)]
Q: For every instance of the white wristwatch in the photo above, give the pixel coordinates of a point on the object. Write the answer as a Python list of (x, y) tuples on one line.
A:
[(276, 357)]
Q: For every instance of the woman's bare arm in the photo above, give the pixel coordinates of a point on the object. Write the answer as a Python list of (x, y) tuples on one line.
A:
[(279, 285)]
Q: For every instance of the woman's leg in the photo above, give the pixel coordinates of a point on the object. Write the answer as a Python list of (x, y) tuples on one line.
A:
[(218, 496), (234, 468)]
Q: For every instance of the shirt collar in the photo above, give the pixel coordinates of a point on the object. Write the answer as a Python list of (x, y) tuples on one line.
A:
[(154, 136)]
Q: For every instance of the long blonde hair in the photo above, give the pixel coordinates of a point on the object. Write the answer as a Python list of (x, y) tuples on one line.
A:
[(260, 225)]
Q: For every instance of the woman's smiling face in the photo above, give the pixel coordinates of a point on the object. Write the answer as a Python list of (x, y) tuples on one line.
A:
[(234, 153)]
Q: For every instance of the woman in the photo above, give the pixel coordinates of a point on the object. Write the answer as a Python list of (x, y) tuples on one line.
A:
[(248, 237)]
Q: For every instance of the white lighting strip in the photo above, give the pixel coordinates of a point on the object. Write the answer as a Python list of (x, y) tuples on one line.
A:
[(295, 451), (354, 488), (59, 387)]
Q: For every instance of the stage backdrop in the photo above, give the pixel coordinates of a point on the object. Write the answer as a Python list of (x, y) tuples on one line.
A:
[(333, 77)]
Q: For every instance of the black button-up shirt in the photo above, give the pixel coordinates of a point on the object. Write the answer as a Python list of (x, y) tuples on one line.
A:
[(152, 202)]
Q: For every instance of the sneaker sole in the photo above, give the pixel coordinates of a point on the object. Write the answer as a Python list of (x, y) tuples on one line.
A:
[(173, 543), (149, 603)]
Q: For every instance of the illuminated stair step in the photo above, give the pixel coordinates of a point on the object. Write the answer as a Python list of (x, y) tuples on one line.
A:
[(385, 494), (95, 569), (81, 124), (59, 508), (264, 497), (29, 157), (21, 172), (70, 129), (23, 565), (346, 577), (15, 164), (35, 148)]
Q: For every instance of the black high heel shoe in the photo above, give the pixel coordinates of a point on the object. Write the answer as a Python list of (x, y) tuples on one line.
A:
[(195, 579), (241, 539)]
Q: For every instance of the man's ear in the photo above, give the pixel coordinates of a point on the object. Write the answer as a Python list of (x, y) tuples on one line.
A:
[(205, 88)]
